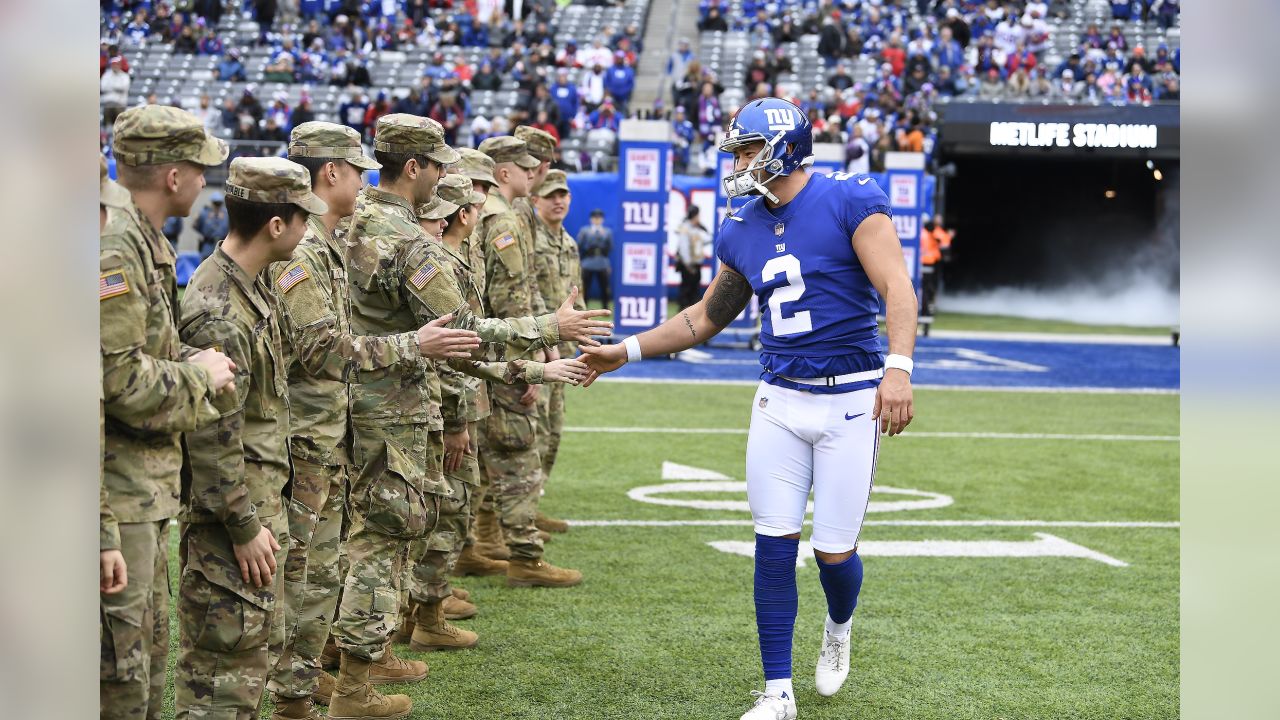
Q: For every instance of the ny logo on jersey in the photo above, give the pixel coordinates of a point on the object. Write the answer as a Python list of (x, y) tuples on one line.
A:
[(640, 216), (637, 311), (780, 118), (780, 247)]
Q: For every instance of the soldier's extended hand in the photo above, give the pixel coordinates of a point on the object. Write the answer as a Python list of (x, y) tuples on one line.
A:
[(258, 558), (441, 343), (602, 359), (113, 575), (220, 367), (579, 325), (530, 395), (565, 370)]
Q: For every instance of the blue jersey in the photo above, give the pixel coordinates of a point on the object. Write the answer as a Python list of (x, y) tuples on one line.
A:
[(819, 307)]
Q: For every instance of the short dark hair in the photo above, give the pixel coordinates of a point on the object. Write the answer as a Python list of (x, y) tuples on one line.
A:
[(453, 217), (247, 219), (313, 165), (393, 163)]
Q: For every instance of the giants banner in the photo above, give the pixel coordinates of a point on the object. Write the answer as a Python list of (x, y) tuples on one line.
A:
[(639, 254)]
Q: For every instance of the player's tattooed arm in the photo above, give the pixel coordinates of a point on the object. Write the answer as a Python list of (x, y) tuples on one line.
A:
[(689, 324), (728, 299)]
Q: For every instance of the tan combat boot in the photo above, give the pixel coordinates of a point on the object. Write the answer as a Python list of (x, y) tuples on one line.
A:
[(325, 690), (471, 562), (330, 656), (404, 630), (489, 541), (550, 524), (461, 594), (391, 669), (296, 709), (354, 698), (526, 572), (455, 609), (544, 536), (433, 632)]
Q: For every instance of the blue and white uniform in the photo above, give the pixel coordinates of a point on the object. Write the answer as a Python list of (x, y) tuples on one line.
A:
[(811, 424)]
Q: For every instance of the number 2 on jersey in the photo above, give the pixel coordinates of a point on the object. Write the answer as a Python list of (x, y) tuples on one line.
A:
[(790, 266)]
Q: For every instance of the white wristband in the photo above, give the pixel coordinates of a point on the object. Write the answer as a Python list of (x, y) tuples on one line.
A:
[(632, 344), (899, 362)]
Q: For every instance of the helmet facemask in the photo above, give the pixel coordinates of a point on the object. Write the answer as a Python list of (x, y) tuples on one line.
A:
[(746, 182)]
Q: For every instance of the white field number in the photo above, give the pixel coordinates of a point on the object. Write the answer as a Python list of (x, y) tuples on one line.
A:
[(790, 266)]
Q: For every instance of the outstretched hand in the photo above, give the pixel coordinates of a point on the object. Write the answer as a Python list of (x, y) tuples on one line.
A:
[(579, 325), (438, 342), (602, 359)]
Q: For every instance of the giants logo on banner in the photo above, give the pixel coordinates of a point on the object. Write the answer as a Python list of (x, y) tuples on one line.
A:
[(908, 226), (642, 170), (639, 263), (637, 311), (640, 216)]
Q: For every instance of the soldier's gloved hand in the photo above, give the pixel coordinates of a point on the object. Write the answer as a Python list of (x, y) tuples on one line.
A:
[(579, 325), (438, 342), (258, 558), (113, 576), (455, 446), (221, 369), (565, 370)]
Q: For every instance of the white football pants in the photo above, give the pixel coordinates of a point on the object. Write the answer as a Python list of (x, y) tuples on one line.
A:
[(800, 441)]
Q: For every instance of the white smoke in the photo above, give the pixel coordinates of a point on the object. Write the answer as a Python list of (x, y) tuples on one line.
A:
[(1135, 299)]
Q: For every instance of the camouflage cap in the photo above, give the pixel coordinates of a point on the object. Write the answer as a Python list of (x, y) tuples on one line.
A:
[(273, 180), (476, 165), (507, 148), (329, 141), (413, 135), (555, 180), (110, 193), (159, 134), (457, 189), (437, 209), (541, 143)]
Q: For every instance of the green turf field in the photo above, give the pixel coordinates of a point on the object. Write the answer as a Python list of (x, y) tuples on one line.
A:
[(663, 625)]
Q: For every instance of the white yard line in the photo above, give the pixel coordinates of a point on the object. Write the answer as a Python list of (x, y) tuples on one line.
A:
[(897, 523), (963, 435), (962, 388)]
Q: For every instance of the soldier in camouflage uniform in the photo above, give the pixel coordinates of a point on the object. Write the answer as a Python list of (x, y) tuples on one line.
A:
[(542, 145), (509, 452), (312, 287), (235, 531), (150, 395), (558, 271)]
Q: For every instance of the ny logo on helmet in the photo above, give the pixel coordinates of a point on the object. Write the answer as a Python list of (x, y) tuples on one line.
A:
[(780, 118)]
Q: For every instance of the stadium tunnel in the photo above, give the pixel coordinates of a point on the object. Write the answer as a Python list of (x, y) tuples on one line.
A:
[(1035, 206)]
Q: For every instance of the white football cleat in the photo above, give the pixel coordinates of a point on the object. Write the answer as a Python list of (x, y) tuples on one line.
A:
[(833, 663), (771, 707)]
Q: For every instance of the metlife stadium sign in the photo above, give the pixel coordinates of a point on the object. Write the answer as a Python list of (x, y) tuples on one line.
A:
[(985, 128), (1081, 135)]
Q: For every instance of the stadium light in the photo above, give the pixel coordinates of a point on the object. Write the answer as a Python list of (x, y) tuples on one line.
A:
[(1110, 194)]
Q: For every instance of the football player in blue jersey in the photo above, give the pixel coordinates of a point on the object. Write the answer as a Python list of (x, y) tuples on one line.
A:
[(819, 252)]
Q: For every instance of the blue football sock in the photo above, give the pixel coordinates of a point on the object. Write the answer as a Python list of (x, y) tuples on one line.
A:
[(841, 583), (776, 602)]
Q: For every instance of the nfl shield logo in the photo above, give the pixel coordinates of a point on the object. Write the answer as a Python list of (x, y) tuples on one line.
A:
[(777, 229), (764, 401)]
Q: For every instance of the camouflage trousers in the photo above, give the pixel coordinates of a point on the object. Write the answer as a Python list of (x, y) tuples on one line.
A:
[(231, 632), (550, 425), (135, 627), (393, 502), (510, 463), (311, 579), (432, 558)]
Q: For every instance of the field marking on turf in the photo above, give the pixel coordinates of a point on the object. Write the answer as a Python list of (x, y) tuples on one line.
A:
[(962, 388), (648, 494), (961, 435), (1045, 545), (1130, 524)]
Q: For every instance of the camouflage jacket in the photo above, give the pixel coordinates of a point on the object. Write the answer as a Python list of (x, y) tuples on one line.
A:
[(558, 269), (108, 526), (510, 287), (150, 395), (238, 467), (433, 289), (313, 290), (529, 217)]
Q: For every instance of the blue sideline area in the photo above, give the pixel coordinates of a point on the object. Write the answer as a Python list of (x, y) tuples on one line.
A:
[(973, 363)]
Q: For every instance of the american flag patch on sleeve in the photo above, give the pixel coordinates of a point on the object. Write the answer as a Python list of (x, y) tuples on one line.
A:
[(291, 277), (424, 275), (111, 284), (504, 242)]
